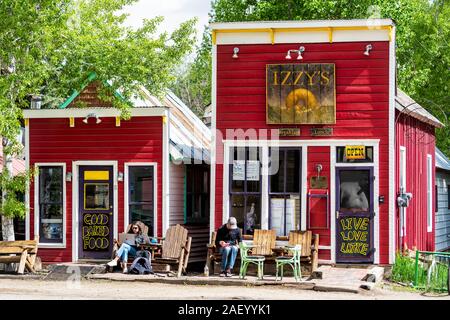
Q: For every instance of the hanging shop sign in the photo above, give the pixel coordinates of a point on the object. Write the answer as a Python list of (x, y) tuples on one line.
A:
[(301, 93), (355, 152)]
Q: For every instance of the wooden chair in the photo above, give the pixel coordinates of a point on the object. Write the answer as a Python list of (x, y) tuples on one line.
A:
[(264, 242), (23, 252), (176, 247), (310, 246)]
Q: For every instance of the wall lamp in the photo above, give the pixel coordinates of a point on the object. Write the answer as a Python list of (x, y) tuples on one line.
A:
[(368, 48), (235, 52), (299, 51), (120, 176), (68, 176), (92, 115)]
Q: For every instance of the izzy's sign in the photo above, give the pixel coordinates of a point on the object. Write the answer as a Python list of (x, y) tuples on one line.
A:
[(301, 93)]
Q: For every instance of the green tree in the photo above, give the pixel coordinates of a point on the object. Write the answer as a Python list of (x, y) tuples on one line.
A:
[(423, 37), (49, 48)]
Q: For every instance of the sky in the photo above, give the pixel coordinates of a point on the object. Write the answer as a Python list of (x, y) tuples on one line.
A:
[(173, 11)]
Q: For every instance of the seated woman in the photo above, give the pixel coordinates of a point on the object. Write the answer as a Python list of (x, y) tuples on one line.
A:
[(130, 247)]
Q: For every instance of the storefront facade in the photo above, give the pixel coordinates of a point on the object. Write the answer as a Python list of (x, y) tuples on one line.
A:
[(303, 117), (95, 173)]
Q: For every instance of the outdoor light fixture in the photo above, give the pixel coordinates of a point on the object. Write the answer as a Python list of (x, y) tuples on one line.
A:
[(120, 176), (92, 115), (36, 102), (368, 48), (299, 51), (68, 176), (235, 52)]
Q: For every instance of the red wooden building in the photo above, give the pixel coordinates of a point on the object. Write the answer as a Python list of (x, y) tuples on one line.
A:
[(316, 101), (96, 173)]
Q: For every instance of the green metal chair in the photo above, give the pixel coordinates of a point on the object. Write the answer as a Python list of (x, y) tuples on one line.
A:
[(246, 260), (293, 261)]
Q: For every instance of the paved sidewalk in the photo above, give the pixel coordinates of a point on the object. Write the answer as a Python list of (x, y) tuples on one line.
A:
[(334, 279)]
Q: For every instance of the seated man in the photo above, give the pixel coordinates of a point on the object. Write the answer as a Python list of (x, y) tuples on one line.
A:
[(227, 240)]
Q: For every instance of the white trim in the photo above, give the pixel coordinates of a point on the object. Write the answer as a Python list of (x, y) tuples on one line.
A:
[(304, 184), (212, 192), (392, 88), (402, 183), (324, 247), (430, 191), (332, 187), (300, 24), (83, 112), (165, 173), (304, 144), (299, 143), (36, 204), (376, 187), (265, 203), (75, 200), (127, 166), (27, 193)]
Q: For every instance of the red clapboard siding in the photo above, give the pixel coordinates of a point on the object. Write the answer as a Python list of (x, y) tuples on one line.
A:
[(362, 107), (52, 140), (419, 140)]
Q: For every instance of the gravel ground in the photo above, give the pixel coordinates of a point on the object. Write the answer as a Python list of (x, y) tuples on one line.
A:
[(102, 289)]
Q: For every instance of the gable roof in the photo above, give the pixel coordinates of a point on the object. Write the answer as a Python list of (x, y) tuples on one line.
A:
[(189, 137), (405, 103), (442, 162)]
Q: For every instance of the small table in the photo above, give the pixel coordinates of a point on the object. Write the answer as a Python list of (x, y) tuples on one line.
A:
[(153, 247)]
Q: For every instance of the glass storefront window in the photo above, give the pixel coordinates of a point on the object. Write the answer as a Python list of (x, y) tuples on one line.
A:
[(245, 188), (50, 200), (284, 193), (140, 195)]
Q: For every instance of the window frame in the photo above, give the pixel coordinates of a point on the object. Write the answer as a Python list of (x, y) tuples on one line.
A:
[(126, 190), (195, 194), (245, 193), (448, 196), (37, 220), (430, 191), (285, 194)]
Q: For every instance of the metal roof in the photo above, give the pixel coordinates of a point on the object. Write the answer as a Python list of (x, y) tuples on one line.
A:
[(189, 137), (442, 162), (406, 104)]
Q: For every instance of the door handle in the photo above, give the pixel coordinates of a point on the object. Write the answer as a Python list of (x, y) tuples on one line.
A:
[(337, 214)]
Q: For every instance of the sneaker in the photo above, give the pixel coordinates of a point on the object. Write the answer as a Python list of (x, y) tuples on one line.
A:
[(222, 274), (112, 263), (228, 274), (125, 270)]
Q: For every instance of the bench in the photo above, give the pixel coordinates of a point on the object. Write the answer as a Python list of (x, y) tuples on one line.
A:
[(309, 254), (23, 252)]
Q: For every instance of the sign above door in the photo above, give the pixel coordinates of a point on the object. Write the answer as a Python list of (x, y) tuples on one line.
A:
[(301, 93)]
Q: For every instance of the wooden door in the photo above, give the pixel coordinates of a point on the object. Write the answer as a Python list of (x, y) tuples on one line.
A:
[(95, 212)]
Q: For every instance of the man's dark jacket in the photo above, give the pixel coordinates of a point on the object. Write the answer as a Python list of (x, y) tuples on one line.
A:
[(231, 236)]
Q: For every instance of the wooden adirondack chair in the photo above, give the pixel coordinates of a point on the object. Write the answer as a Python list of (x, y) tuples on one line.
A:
[(264, 242), (310, 246), (176, 247)]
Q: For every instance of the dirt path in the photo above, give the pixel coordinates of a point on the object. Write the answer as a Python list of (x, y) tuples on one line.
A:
[(101, 289)]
